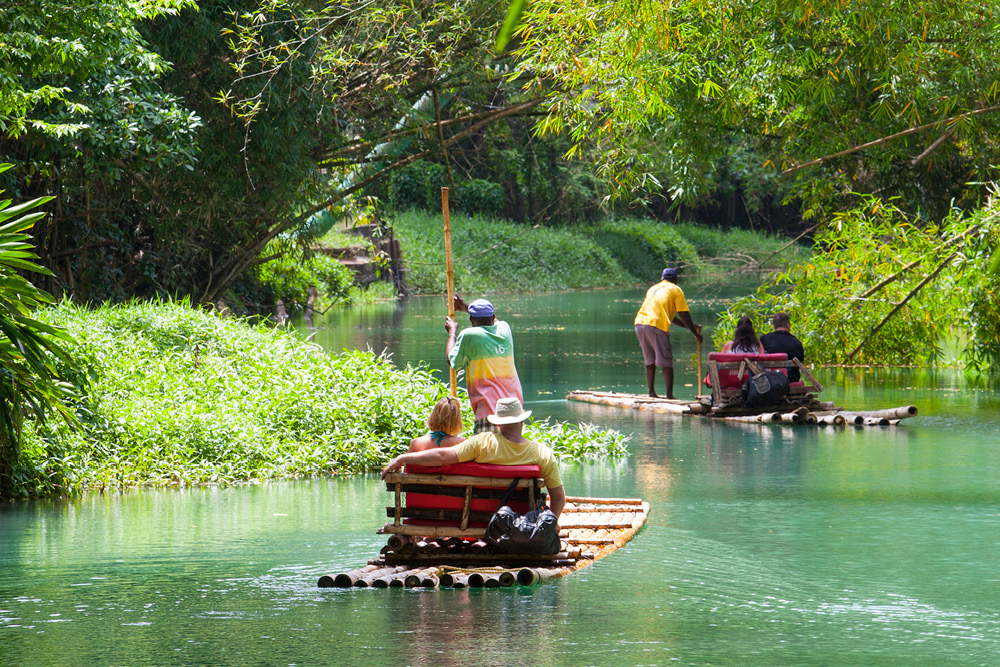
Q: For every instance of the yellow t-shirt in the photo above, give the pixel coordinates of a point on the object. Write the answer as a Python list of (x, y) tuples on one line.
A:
[(662, 302), (491, 447)]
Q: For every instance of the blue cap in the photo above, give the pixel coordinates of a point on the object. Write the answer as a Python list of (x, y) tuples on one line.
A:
[(670, 274), (481, 308)]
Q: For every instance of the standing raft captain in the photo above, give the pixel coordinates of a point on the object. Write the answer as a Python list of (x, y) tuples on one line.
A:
[(485, 351), (664, 305)]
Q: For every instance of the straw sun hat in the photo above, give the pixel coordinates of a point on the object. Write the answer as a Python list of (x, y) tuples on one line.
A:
[(509, 411)]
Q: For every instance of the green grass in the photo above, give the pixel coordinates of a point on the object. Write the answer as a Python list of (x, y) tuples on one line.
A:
[(173, 396), (494, 255)]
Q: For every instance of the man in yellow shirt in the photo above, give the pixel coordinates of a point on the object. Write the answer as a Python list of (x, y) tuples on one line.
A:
[(664, 305), (508, 447)]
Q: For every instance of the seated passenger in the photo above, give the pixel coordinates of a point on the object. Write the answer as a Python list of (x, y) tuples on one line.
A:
[(744, 339), (505, 448), (781, 340), (445, 424)]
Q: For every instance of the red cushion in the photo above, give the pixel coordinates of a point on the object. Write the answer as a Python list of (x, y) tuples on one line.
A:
[(728, 379), (434, 501)]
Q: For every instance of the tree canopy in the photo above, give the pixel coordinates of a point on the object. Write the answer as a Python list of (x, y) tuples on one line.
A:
[(836, 96)]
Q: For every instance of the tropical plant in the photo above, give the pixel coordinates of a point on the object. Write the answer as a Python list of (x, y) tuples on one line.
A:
[(30, 384), (884, 288)]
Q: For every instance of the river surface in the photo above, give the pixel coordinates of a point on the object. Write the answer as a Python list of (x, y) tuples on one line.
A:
[(764, 546)]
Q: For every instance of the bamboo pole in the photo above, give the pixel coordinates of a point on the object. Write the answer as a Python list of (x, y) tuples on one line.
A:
[(367, 580), (450, 268), (697, 380)]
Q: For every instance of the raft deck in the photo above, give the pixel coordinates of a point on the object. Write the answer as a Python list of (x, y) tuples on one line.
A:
[(801, 410), (590, 529)]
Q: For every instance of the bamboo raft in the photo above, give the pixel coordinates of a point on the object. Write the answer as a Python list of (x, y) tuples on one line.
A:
[(590, 529), (805, 410)]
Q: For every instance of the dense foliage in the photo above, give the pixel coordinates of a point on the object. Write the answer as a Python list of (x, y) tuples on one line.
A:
[(171, 395), (883, 289), (889, 96)]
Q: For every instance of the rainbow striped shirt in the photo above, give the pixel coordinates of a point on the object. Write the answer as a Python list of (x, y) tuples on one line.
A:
[(487, 355)]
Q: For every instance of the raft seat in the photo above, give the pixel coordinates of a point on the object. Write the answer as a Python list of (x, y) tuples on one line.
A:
[(457, 500), (727, 371)]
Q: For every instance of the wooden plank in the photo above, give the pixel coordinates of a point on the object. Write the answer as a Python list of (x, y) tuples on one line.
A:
[(604, 501), (457, 480), (713, 375), (466, 507), (431, 514), (430, 531)]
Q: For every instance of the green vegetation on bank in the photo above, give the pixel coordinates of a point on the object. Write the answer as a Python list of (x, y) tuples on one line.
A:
[(172, 395), (882, 288), (494, 255)]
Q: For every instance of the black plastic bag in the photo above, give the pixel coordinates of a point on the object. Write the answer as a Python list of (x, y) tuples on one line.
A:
[(765, 388), (535, 533)]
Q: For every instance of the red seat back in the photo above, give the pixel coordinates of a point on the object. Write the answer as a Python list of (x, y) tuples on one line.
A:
[(434, 501), (729, 379)]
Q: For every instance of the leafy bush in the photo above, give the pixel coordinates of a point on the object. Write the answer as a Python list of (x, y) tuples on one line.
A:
[(643, 248), (479, 197), (289, 277), (171, 396)]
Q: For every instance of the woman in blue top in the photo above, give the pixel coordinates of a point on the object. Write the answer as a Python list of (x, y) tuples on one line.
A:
[(445, 424)]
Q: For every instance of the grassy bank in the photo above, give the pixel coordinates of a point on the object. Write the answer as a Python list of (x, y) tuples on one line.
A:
[(171, 395), (499, 256)]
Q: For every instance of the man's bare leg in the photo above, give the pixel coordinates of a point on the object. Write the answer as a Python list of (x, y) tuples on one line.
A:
[(651, 379), (668, 377)]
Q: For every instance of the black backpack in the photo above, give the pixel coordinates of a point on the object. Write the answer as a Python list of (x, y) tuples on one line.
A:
[(764, 387)]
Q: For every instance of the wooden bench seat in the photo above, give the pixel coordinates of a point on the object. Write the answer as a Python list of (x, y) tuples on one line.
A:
[(457, 500), (727, 371)]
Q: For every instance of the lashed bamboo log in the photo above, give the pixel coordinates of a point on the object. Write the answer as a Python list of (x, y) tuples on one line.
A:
[(345, 579), (506, 579), (790, 418), (395, 542), (478, 580), (876, 421), (429, 582), (811, 419), (366, 580), (415, 578), (892, 413)]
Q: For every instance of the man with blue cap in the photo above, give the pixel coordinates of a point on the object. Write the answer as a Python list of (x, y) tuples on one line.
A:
[(664, 305), (486, 352)]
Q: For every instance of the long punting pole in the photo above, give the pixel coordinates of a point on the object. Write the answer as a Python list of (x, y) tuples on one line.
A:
[(451, 275), (697, 380)]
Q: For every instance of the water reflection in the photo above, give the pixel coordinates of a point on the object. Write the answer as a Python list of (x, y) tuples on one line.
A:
[(765, 545)]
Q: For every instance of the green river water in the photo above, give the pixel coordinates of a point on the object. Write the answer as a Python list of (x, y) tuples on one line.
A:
[(764, 546)]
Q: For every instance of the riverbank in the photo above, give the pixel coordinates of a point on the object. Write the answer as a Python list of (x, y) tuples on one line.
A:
[(493, 255), (174, 396)]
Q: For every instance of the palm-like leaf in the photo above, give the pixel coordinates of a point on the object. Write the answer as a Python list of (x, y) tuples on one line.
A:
[(30, 384)]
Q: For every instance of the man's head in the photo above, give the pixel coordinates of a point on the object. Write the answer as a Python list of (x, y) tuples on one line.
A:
[(669, 274), (781, 321), (509, 415), (481, 313)]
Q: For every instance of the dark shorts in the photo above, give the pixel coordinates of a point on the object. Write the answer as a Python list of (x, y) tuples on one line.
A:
[(483, 425), (655, 344)]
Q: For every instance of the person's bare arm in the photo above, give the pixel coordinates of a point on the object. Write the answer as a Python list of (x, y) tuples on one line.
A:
[(451, 326), (441, 456), (683, 318), (557, 500)]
